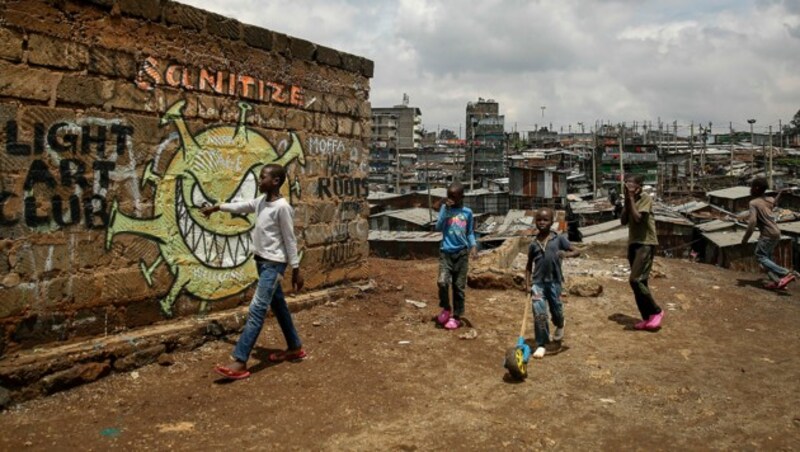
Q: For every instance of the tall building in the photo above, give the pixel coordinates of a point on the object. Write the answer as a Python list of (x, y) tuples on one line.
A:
[(484, 122), (383, 150), (486, 155), (395, 131), (404, 121)]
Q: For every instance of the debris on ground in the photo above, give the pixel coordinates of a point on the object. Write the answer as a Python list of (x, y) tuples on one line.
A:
[(471, 333), (166, 359), (177, 427), (584, 286), (418, 304)]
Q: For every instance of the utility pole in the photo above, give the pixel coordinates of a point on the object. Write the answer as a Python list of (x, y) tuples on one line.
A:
[(675, 137), (769, 179), (621, 139), (505, 159), (780, 133), (644, 131), (397, 171), (691, 158), (703, 154), (472, 165), (730, 125), (594, 163), (428, 185), (752, 148), (662, 162)]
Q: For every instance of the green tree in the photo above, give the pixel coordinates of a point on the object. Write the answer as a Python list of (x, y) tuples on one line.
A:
[(795, 123)]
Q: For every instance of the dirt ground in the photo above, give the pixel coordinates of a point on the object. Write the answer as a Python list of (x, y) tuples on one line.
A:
[(723, 373)]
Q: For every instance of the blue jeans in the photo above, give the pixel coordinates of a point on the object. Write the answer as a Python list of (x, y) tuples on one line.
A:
[(268, 293), (764, 249), (544, 294)]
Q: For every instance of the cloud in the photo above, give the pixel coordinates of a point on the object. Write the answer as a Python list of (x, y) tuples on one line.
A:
[(617, 60)]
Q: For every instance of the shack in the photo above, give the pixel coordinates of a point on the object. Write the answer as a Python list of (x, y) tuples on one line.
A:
[(733, 199), (487, 201), (675, 235), (413, 219), (532, 187), (725, 249), (792, 230), (404, 245)]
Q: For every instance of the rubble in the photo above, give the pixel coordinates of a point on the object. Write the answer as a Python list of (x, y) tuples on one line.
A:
[(470, 334), (418, 304), (495, 269), (584, 286)]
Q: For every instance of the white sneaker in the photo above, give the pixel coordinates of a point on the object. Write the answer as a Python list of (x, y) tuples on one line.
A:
[(559, 334), (539, 353)]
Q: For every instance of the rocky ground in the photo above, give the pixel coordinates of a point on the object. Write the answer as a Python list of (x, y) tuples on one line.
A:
[(722, 374)]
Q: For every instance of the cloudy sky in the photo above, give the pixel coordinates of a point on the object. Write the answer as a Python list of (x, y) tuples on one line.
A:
[(613, 60)]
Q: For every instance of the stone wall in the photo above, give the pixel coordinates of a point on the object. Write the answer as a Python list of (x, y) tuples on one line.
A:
[(119, 118)]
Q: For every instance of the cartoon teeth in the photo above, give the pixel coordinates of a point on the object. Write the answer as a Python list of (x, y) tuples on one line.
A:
[(214, 250)]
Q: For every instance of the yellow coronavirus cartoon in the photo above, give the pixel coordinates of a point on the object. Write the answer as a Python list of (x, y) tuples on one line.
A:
[(210, 258)]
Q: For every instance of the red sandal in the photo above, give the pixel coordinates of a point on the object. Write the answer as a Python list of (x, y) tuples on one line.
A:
[(230, 374), (286, 355)]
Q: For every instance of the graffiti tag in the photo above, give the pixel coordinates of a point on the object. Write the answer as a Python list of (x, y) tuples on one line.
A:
[(153, 72)]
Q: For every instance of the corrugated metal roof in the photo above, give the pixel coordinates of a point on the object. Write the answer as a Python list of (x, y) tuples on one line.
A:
[(417, 215), (435, 192), (681, 221), (731, 193), (491, 224), (716, 225), (404, 236), (613, 235), (513, 216), (792, 227), (590, 207), (481, 192), (601, 228), (382, 195), (515, 222), (724, 239), (690, 207)]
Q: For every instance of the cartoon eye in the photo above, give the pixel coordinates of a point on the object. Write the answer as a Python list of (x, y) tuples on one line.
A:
[(199, 198), (247, 189)]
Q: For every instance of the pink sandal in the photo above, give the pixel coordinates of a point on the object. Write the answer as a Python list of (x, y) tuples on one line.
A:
[(452, 324), (443, 317)]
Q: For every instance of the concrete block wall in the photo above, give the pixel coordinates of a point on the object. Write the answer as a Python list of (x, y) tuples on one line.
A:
[(119, 117)]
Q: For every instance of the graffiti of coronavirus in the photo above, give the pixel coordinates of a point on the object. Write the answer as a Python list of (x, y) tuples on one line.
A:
[(209, 258)]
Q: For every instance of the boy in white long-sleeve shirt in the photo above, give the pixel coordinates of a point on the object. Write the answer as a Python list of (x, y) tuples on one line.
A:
[(274, 246)]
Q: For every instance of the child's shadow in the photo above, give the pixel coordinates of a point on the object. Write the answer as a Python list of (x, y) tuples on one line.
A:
[(551, 348), (625, 320), (759, 284)]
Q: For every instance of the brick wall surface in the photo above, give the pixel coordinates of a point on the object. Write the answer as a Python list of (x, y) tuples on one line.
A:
[(119, 117)]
